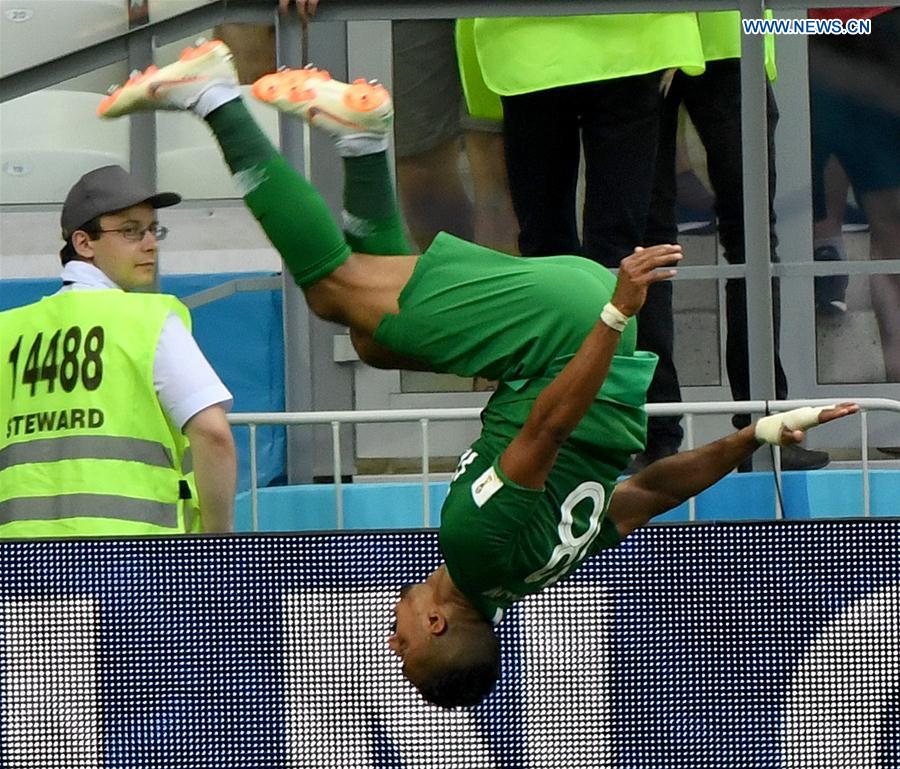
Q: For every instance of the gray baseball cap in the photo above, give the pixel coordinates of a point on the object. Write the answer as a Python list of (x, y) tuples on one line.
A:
[(103, 191)]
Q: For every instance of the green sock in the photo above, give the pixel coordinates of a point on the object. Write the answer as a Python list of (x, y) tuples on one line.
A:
[(372, 222), (291, 212)]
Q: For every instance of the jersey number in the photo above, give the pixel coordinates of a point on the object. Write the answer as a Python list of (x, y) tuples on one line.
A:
[(69, 357), (572, 549)]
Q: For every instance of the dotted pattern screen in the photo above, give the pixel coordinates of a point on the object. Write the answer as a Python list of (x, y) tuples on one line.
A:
[(771, 645)]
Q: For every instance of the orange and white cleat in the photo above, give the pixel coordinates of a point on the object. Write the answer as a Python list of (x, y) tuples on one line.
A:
[(340, 109), (176, 86)]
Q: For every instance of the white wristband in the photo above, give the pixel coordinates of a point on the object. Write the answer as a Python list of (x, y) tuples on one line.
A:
[(768, 429), (613, 317)]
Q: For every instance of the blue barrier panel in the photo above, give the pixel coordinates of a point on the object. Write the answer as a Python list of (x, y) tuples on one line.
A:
[(766, 645), (242, 335), (737, 497)]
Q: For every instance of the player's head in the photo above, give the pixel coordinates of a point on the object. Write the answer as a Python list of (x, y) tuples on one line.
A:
[(109, 220), (450, 653)]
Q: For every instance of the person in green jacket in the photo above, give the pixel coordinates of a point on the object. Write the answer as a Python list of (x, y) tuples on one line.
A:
[(536, 494)]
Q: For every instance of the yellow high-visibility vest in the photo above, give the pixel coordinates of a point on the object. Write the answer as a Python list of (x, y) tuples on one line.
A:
[(720, 32), (85, 448), (515, 55)]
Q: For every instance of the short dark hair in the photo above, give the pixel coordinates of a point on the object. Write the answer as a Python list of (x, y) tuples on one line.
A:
[(92, 228), (467, 667)]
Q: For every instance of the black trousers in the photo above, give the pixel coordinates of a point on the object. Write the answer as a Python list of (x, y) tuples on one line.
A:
[(616, 122), (713, 102)]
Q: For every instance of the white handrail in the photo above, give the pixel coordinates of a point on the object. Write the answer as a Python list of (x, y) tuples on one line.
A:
[(425, 416)]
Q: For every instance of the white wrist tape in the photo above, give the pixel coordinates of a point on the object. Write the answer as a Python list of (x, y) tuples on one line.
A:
[(613, 317), (768, 429)]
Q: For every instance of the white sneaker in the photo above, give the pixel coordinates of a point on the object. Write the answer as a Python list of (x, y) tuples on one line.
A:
[(176, 86), (340, 109)]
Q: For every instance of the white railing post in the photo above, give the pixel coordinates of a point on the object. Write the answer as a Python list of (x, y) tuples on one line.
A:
[(254, 482), (426, 491), (864, 437), (337, 470), (689, 436)]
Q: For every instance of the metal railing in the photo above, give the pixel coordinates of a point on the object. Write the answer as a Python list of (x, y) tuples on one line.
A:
[(426, 416)]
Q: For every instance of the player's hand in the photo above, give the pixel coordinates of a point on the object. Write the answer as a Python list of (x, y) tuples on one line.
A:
[(789, 436), (788, 427), (638, 271), (305, 8)]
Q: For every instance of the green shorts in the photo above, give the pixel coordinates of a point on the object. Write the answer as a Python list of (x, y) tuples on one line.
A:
[(469, 310)]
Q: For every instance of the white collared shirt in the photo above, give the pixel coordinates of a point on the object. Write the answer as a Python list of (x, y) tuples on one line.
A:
[(185, 383)]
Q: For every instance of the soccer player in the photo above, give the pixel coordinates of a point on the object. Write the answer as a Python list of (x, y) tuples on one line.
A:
[(533, 496)]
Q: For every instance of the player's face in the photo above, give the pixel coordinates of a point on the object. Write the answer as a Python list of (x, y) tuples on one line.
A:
[(411, 634), (130, 263)]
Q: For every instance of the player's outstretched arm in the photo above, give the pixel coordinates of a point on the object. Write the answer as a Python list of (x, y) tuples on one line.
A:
[(559, 408), (669, 482)]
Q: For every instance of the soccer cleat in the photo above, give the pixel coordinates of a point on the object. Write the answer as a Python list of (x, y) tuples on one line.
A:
[(341, 109), (176, 86)]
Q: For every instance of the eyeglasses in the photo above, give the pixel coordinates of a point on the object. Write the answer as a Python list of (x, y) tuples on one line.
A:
[(135, 233)]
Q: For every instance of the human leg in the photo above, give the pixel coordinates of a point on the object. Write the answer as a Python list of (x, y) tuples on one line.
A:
[(713, 102), (432, 194), (656, 321), (358, 117), (427, 132), (543, 150), (495, 221), (620, 137), (620, 134), (882, 209), (290, 210), (310, 244), (253, 47), (828, 238)]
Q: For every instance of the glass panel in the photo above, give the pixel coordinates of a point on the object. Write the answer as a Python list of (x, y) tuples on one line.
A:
[(854, 82), (697, 336), (695, 302), (450, 170), (49, 138), (164, 9), (425, 382), (848, 348), (36, 32)]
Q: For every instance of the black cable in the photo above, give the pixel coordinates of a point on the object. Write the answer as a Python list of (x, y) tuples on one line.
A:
[(780, 496)]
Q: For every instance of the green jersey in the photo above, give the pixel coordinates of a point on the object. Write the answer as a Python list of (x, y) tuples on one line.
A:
[(470, 310), (502, 541)]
